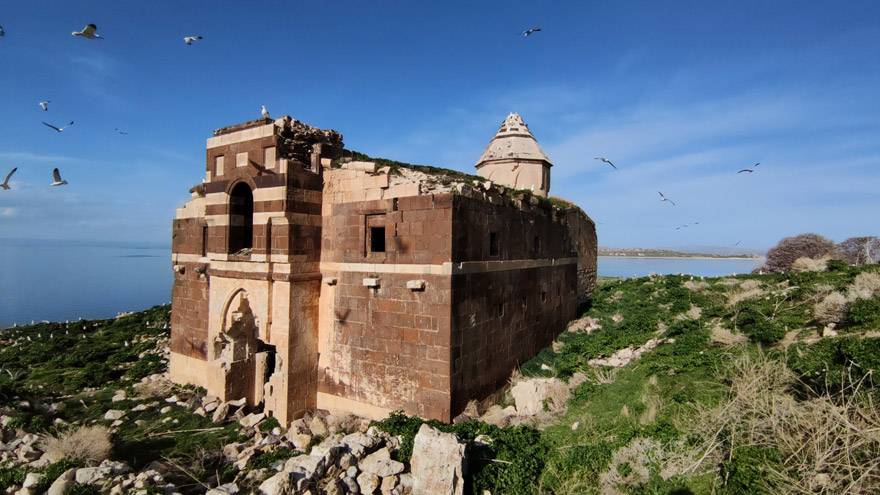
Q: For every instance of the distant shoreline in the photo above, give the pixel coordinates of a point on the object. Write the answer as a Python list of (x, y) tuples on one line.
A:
[(694, 257)]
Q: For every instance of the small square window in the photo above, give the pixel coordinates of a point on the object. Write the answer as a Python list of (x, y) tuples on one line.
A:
[(269, 157), (241, 159), (493, 243), (377, 239), (218, 165)]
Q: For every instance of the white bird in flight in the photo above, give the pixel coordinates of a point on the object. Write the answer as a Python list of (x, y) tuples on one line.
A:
[(89, 32), (58, 129), (45, 105), (189, 40), (664, 198), (264, 112), (750, 170), (605, 160), (56, 178), (530, 31), (5, 185)]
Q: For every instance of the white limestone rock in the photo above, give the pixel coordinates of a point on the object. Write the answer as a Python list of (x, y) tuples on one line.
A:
[(368, 482), (535, 395), (279, 484), (226, 489), (381, 464), (113, 414), (438, 463), (251, 420), (62, 483)]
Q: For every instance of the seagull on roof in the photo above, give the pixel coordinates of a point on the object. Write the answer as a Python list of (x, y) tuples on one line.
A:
[(605, 160), (189, 40), (5, 185), (264, 112), (44, 105), (90, 31), (664, 198), (530, 31), (56, 178), (57, 129), (750, 170)]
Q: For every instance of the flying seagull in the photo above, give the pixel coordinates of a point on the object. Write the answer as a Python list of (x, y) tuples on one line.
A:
[(264, 112), (605, 160), (664, 198), (5, 185), (737, 243), (45, 105), (56, 178), (189, 40), (58, 129), (90, 32), (530, 31), (120, 131), (2, 32), (750, 170)]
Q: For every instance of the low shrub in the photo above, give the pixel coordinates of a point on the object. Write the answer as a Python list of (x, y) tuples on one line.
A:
[(750, 470), (831, 309), (758, 325), (864, 313), (87, 445), (10, 476), (832, 363), (267, 459)]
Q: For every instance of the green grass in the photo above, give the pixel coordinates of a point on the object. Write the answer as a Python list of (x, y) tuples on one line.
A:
[(658, 398)]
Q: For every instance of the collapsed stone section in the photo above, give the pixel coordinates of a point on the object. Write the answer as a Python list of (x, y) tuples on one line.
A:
[(301, 283)]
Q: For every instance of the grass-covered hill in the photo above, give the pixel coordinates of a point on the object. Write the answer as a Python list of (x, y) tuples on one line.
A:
[(748, 384)]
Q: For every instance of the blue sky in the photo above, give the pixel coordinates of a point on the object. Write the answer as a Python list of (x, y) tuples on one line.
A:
[(679, 94)]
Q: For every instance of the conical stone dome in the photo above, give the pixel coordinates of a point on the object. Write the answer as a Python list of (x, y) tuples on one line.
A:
[(513, 158)]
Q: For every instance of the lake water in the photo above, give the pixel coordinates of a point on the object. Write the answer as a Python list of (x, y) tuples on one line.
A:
[(49, 281), (614, 266)]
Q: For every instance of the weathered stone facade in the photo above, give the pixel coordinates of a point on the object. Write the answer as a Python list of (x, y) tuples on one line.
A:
[(304, 280)]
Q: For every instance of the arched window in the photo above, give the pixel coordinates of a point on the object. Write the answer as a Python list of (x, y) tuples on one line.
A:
[(241, 218)]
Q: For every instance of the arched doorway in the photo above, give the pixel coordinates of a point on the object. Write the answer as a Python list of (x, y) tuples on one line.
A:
[(241, 218)]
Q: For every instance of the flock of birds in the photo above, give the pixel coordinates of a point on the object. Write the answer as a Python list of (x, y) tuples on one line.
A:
[(89, 31), (663, 198)]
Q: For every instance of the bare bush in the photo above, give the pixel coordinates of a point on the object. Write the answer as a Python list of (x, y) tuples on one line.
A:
[(810, 264), (860, 250), (865, 286), (826, 443), (781, 257), (831, 309), (87, 445)]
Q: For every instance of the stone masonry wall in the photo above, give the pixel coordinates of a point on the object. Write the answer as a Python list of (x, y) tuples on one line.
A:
[(385, 346), (516, 301)]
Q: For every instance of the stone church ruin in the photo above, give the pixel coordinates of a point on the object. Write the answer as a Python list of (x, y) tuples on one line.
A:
[(307, 276)]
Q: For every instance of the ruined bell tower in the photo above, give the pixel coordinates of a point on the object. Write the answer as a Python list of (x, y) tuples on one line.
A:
[(514, 159)]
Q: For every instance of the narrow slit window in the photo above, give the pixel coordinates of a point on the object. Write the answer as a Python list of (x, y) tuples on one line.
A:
[(204, 240), (536, 246), (377, 239), (493, 243)]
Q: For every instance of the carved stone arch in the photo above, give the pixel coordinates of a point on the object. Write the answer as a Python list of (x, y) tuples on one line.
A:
[(239, 327)]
